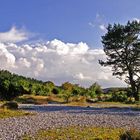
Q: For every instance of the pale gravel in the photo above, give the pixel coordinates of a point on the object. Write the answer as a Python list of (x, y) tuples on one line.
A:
[(53, 115)]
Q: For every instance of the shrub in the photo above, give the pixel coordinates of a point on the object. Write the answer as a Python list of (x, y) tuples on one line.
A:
[(66, 95), (130, 135), (56, 90), (119, 96), (9, 90), (130, 100), (10, 105)]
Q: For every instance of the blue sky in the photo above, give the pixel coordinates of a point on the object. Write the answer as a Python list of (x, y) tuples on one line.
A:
[(67, 20), (60, 40)]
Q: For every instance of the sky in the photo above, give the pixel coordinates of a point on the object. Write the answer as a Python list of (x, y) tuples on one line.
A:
[(60, 40)]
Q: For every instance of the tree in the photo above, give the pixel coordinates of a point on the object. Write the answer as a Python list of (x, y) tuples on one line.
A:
[(9, 91), (67, 90), (121, 44), (67, 86), (95, 90)]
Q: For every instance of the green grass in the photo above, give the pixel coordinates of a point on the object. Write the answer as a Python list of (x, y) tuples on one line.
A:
[(4, 113), (77, 133)]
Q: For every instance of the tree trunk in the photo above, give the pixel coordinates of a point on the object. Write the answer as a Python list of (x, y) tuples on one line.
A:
[(135, 92)]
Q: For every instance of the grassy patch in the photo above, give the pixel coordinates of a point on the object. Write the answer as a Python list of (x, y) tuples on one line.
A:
[(31, 99), (4, 113), (78, 133), (102, 104)]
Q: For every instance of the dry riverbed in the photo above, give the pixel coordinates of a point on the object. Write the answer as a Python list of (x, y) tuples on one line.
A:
[(55, 115)]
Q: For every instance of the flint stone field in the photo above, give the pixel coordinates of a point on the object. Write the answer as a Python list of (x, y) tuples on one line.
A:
[(57, 115)]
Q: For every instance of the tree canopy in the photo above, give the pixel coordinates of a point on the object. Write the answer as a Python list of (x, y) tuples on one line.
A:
[(121, 44)]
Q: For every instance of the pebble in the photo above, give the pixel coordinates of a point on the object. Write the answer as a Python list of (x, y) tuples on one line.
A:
[(53, 116)]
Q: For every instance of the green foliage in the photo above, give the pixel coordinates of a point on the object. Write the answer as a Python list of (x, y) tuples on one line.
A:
[(12, 85), (122, 46), (71, 90), (56, 90), (66, 95), (67, 86), (78, 90), (95, 91), (9, 90), (119, 96)]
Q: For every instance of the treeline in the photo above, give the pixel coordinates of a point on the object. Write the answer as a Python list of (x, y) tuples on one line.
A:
[(13, 85)]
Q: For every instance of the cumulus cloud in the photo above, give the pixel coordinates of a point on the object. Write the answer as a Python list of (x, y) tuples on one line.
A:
[(13, 35), (57, 61)]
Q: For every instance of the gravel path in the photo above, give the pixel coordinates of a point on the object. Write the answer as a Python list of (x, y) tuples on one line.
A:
[(51, 116)]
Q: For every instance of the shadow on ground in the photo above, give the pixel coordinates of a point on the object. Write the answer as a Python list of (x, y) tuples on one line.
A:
[(86, 110)]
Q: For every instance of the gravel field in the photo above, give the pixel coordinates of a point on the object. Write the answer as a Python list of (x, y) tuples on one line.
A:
[(52, 115)]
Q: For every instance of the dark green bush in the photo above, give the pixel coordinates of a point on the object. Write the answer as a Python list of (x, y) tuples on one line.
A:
[(130, 135), (10, 105), (119, 96), (56, 90)]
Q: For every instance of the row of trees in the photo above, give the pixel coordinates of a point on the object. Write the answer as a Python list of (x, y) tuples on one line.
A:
[(12, 85)]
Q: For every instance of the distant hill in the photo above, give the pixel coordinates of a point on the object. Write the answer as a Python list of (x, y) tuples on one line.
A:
[(106, 90)]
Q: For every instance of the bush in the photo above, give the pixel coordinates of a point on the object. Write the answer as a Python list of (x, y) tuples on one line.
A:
[(130, 135), (9, 90), (56, 90), (10, 105), (119, 96), (130, 100)]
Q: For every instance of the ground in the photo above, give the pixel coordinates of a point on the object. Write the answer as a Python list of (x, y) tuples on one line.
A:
[(59, 115)]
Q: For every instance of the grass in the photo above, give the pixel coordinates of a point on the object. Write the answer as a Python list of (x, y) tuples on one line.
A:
[(77, 133), (31, 99), (104, 104), (4, 113)]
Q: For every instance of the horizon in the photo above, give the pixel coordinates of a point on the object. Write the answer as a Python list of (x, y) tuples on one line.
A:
[(60, 41)]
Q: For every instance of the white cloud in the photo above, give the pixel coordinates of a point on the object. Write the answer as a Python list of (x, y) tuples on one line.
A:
[(57, 61), (80, 76), (98, 23), (102, 27), (13, 35)]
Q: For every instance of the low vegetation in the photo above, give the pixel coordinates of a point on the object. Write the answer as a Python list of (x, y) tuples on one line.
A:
[(10, 105), (4, 113), (84, 133)]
